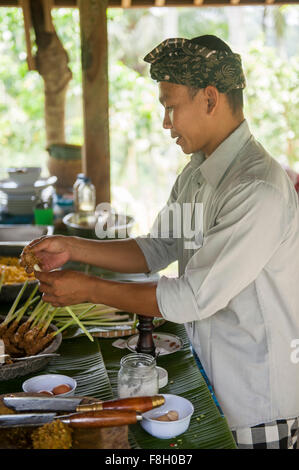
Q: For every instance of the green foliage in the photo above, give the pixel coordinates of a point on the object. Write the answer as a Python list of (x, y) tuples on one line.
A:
[(144, 161), (272, 99)]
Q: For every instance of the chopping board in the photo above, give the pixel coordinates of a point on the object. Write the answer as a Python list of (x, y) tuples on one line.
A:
[(115, 437)]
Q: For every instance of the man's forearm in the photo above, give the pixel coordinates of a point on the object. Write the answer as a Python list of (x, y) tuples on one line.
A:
[(123, 256), (137, 298)]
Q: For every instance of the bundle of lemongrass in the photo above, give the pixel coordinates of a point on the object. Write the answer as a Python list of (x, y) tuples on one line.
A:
[(31, 335), (92, 315)]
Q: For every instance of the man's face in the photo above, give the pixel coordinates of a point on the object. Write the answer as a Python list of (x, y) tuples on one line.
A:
[(186, 117)]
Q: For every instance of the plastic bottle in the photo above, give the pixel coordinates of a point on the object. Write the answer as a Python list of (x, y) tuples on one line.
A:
[(80, 178), (86, 198)]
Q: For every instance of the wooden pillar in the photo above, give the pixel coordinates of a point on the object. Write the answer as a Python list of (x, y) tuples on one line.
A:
[(94, 55)]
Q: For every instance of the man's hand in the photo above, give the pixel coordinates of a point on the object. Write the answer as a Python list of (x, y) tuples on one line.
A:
[(52, 252), (62, 288)]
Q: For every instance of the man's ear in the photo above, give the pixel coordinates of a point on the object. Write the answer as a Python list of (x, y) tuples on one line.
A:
[(212, 98)]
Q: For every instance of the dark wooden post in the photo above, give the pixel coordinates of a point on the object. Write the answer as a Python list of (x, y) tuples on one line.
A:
[(94, 53), (145, 343)]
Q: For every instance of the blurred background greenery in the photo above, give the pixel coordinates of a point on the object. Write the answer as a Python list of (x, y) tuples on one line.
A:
[(144, 161)]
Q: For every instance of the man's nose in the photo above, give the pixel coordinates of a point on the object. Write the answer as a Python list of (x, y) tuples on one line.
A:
[(167, 124)]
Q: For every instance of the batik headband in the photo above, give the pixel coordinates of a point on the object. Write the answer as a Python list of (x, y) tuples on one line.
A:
[(184, 62)]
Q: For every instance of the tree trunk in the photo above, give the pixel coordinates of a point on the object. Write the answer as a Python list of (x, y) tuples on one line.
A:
[(52, 64)]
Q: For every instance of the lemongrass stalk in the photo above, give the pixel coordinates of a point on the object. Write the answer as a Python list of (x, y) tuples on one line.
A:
[(113, 324), (15, 304), (23, 309), (115, 318), (71, 322), (80, 324), (98, 322), (42, 318), (50, 319), (38, 314), (17, 312)]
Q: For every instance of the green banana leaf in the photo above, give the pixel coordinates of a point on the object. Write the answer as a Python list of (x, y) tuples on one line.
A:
[(95, 366), (208, 429)]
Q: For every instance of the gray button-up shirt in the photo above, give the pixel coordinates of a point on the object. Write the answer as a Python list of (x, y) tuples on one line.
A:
[(237, 293)]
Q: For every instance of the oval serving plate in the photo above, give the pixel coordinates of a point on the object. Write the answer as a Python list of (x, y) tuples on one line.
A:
[(165, 343)]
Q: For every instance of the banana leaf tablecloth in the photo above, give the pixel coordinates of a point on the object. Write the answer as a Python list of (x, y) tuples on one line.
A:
[(95, 366)]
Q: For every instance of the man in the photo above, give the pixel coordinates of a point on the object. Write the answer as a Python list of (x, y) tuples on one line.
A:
[(237, 291)]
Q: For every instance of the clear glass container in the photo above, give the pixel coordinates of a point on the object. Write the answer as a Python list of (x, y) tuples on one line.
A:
[(80, 178), (86, 198), (138, 376)]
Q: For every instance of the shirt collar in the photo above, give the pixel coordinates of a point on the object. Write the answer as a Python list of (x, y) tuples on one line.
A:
[(214, 167)]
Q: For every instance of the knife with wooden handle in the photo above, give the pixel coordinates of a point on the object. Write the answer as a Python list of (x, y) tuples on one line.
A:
[(89, 419), (104, 418), (45, 403)]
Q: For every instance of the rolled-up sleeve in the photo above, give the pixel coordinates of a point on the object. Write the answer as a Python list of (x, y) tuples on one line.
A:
[(249, 228)]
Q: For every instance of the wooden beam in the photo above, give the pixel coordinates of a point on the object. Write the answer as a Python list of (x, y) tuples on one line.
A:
[(198, 3), (126, 3), (234, 2), (159, 3), (47, 5), (96, 156), (27, 25)]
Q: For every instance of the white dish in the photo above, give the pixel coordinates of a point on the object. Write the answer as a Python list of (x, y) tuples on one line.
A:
[(8, 186), (164, 343), (168, 429), (47, 382), (24, 176)]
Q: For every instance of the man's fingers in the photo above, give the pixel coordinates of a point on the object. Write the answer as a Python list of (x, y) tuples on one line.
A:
[(46, 288), (39, 244), (44, 277)]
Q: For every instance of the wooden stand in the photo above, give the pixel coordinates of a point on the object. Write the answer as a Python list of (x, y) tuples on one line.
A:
[(145, 342)]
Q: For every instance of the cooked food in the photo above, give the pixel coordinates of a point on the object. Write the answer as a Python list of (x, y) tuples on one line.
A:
[(12, 271), (29, 260), (23, 338), (172, 415), (55, 435)]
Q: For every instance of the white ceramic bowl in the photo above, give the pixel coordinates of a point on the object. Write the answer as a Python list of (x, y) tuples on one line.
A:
[(47, 382), (24, 175), (168, 429)]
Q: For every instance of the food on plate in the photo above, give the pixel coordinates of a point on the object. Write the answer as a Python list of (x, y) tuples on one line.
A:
[(172, 415), (54, 435), (29, 260), (12, 271), (31, 336), (64, 388)]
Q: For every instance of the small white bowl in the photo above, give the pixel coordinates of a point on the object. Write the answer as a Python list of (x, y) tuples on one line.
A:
[(168, 429), (24, 175), (46, 383)]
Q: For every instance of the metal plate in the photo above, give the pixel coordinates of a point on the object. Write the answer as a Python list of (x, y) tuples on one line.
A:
[(21, 368)]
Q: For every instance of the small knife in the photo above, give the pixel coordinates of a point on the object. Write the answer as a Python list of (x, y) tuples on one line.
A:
[(44, 403), (95, 419)]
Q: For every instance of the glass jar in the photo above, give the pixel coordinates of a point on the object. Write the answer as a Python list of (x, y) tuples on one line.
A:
[(138, 376), (86, 198), (80, 178)]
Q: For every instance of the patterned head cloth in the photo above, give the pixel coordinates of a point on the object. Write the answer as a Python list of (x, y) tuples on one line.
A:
[(184, 62)]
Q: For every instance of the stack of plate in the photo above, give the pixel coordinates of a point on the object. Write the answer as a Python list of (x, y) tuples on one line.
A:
[(21, 199)]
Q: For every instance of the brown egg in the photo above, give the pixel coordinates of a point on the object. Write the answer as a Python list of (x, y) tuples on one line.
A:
[(61, 389)]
